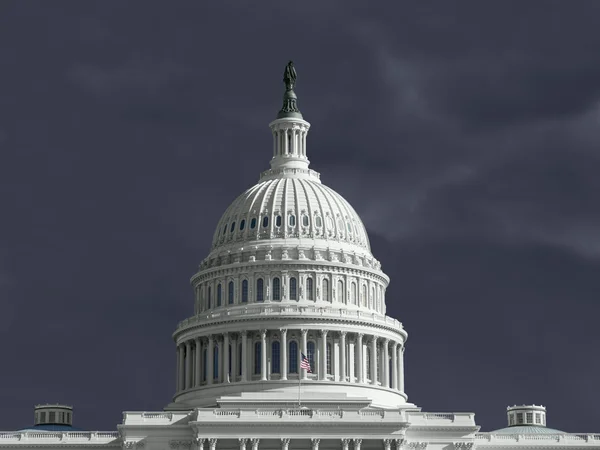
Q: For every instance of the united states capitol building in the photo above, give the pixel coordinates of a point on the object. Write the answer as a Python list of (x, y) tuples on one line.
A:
[(291, 273)]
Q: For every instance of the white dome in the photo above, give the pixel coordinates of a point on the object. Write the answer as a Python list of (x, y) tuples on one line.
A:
[(291, 208)]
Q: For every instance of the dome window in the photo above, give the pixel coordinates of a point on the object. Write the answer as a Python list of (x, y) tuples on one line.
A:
[(259, 290), (318, 221), (309, 289), (253, 223), (242, 224), (232, 227), (278, 221), (293, 290), (329, 222), (340, 225), (225, 229), (292, 220), (219, 295), (230, 293), (245, 291), (276, 289), (349, 227), (305, 220), (265, 221)]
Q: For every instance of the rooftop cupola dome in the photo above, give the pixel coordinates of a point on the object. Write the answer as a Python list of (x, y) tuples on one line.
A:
[(526, 419)]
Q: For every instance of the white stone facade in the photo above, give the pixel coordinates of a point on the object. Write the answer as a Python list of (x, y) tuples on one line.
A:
[(291, 272)]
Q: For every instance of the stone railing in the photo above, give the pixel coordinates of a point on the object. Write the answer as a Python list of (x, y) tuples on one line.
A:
[(566, 439), (427, 418), (283, 310), (49, 437), (155, 418), (300, 414)]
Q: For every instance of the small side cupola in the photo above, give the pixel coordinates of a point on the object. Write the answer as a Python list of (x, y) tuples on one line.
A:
[(524, 415), (57, 414)]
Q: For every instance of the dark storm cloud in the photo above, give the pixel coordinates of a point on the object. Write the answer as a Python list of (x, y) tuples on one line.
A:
[(464, 135)]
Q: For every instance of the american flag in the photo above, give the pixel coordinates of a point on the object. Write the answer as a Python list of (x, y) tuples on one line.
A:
[(305, 363)]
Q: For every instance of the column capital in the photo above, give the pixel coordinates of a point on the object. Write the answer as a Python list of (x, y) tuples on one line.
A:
[(213, 443), (314, 442), (263, 334), (255, 442), (242, 442), (343, 334), (357, 443), (345, 443), (244, 333), (386, 341), (283, 331), (399, 443), (324, 333), (304, 331), (211, 337), (199, 441), (285, 443), (387, 444), (359, 336)]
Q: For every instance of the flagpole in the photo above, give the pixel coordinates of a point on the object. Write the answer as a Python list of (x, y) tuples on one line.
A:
[(299, 386)]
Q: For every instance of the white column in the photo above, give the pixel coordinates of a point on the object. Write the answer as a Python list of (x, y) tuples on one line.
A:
[(283, 364), (345, 444), (304, 372), (244, 338), (285, 142), (197, 360), (342, 356), (394, 373), (304, 143), (351, 362), (274, 143), (212, 442), (285, 443), (180, 368), (374, 360), (226, 357), (242, 442), (255, 442), (234, 358), (323, 368), (357, 443), (199, 443), (263, 355), (359, 357), (188, 365), (401, 369), (386, 364), (210, 360), (387, 444), (314, 443)]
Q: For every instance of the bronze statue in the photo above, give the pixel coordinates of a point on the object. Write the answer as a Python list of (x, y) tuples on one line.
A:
[(289, 76)]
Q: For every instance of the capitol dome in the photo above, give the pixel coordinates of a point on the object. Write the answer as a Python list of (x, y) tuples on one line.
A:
[(290, 301)]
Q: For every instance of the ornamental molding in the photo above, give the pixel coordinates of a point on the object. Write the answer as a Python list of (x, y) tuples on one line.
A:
[(463, 445), (415, 445), (175, 445)]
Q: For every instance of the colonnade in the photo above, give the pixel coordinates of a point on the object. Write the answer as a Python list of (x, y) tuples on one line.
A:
[(276, 355), (345, 443)]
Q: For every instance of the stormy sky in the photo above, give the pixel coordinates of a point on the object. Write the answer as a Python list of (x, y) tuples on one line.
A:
[(465, 134)]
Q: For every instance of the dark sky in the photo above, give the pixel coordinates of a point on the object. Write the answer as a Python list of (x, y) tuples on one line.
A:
[(465, 134)]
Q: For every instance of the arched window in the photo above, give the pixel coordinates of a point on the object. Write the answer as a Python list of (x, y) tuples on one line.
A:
[(293, 357), (276, 288), (216, 362), (230, 292), (309, 289), (310, 349), (340, 291), (326, 290), (259, 290), (328, 357), (353, 293), (219, 294), (245, 291), (209, 296), (204, 359), (229, 358), (364, 295), (275, 357), (293, 289), (257, 357)]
